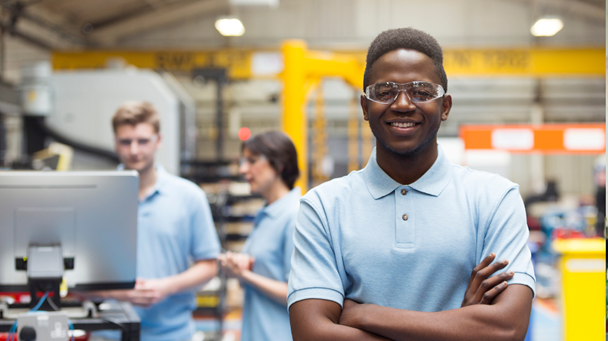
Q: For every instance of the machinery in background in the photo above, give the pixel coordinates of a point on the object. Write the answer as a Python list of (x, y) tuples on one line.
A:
[(75, 228), (56, 157), (76, 107), (9, 104), (87, 219)]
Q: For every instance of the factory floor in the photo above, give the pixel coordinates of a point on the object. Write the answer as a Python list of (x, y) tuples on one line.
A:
[(546, 323)]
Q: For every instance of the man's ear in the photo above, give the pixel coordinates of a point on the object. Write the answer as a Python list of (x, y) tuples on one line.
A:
[(364, 107), (159, 141), (446, 106)]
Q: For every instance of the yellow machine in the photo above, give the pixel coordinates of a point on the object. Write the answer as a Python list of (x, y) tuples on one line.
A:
[(303, 69), (583, 301), (56, 157)]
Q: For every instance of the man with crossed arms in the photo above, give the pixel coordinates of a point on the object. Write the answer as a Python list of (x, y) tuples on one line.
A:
[(386, 252)]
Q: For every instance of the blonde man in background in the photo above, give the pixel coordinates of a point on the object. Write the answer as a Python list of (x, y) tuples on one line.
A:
[(174, 229)]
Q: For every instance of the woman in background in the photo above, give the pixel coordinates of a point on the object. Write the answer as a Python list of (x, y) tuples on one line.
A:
[(270, 164)]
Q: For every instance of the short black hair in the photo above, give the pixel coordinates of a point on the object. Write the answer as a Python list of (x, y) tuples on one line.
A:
[(405, 38), (280, 152)]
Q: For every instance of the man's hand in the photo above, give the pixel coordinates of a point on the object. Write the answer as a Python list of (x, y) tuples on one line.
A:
[(236, 263), (483, 290), (151, 291)]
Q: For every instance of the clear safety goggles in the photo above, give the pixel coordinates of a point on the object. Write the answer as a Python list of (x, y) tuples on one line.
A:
[(141, 142), (251, 160), (387, 92)]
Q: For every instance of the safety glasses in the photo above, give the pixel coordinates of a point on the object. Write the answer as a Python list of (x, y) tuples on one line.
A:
[(251, 160), (140, 142), (417, 92)]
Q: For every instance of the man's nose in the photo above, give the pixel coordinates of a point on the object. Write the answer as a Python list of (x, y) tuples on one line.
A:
[(134, 147), (403, 102)]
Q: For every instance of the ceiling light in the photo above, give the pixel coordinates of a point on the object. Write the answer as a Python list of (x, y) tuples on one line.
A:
[(230, 26), (546, 26)]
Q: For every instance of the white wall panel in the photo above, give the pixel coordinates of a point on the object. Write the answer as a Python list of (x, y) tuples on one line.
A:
[(440, 19), (573, 172)]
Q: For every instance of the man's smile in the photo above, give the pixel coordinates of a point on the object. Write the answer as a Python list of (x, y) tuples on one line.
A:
[(403, 127)]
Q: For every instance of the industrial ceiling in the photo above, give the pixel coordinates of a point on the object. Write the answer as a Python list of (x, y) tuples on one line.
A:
[(69, 24)]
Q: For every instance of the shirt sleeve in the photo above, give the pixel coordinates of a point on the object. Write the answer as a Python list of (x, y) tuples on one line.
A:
[(204, 241), (507, 236), (288, 247), (314, 271)]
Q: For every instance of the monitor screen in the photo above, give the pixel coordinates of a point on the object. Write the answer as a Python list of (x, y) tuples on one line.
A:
[(92, 216)]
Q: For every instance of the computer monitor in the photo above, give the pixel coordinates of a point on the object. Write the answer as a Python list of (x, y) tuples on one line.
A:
[(88, 220)]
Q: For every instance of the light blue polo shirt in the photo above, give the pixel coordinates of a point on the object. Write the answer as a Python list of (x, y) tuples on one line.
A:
[(174, 228), (271, 243), (368, 238)]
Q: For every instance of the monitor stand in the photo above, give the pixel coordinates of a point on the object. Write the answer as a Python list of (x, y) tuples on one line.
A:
[(45, 273), (45, 267)]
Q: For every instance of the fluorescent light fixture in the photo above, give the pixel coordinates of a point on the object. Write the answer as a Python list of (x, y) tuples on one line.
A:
[(546, 26), (230, 26)]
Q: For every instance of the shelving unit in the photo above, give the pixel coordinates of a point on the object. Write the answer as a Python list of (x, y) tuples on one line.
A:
[(233, 209)]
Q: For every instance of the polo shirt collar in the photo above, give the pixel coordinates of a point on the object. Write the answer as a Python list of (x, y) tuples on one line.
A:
[(161, 179), (432, 182), (281, 205), (161, 176)]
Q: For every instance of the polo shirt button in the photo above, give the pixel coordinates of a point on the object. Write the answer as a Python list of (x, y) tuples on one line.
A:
[(404, 217), (404, 191)]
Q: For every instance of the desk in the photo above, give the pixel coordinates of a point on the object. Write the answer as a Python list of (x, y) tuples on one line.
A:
[(120, 317)]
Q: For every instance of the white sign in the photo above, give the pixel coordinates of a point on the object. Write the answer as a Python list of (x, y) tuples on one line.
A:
[(513, 139), (585, 265), (584, 139), (266, 63)]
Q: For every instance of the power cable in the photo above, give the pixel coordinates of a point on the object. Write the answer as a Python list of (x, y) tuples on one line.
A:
[(46, 294)]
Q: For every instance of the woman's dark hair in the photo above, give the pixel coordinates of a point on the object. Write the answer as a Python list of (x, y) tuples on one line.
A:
[(280, 152)]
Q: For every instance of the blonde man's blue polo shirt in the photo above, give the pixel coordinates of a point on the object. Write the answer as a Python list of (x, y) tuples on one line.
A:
[(368, 238), (174, 229)]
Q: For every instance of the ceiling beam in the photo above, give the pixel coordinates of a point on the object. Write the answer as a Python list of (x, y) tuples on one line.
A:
[(22, 11), (584, 9), (97, 25), (41, 43), (163, 15)]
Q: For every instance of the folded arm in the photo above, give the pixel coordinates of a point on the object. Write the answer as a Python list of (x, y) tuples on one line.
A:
[(318, 320), (315, 319), (505, 319)]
